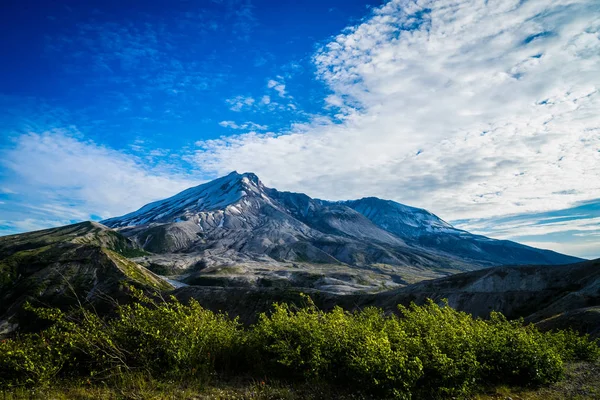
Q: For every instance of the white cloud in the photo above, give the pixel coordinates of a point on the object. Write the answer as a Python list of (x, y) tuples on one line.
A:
[(229, 124), (266, 102), (334, 100), (240, 103), (246, 125), (277, 86), (28, 225), (471, 109), (5, 190), (533, 227), (60, 178), (585, 249)]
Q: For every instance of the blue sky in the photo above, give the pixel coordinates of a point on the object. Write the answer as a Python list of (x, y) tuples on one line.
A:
[(163, 72), (485, 113)]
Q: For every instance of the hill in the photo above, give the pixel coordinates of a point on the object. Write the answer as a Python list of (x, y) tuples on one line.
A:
[(64, 266)]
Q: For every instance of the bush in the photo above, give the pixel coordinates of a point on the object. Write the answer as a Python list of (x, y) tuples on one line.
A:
[(338, 346), (460, 353), (163, 338), (446, 341), (516, 354), (176, 340), (28, 360), (429, 351), (573, 346)]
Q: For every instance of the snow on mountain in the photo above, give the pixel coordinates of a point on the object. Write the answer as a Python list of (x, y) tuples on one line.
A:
[(402, 220), (210, 196)]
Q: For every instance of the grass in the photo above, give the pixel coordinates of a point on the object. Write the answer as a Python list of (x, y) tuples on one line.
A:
[(581, 382), (135, 272), (139, 386)]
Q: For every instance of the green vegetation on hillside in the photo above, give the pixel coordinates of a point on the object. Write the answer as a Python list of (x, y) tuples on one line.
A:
[(428, 351)]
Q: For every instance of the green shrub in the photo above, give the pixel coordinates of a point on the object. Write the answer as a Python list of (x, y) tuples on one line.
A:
[(28, 360), (573, 346), (86, 342), (446, 342), (337, 346), (163, 338), (516, 354), (429, 351), (292, 342), (375, 351), (172, 339)]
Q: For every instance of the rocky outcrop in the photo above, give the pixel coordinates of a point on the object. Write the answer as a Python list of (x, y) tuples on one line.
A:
[(532, 292)]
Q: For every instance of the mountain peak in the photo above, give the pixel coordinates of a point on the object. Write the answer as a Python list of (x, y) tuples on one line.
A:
[(246, 177), (214, 195), (252, 177), (400, 219)]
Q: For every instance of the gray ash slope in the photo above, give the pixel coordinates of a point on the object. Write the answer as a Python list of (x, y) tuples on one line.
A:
[(235, 231)]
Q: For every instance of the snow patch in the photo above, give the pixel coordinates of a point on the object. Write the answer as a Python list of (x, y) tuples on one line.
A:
[(175, 283)]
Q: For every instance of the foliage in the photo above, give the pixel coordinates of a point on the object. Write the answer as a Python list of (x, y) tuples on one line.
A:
[(429, 351), (517, 354), (573, 346), (460, 353), (169, 338), (447, 342), (335, 346), (28, 360)]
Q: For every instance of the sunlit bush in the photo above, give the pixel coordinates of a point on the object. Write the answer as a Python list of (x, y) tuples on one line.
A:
[(429, 351), (336, 346), (172, 339), (27, 361)]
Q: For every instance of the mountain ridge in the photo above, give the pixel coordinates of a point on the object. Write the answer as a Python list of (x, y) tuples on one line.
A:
[(236, 222), (66, 266)]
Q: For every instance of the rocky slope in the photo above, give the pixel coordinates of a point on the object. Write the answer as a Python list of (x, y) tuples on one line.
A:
[(534, 292), (82, 263), (553, 297), (234, 231)]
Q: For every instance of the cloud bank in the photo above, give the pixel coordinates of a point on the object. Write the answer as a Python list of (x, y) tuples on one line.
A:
[(472, 109), (59, 178)]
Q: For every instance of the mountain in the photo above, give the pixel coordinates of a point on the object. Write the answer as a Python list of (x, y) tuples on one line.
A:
[(421, 228), (234, 231), (90, 264), (236, 245), (82, 263)]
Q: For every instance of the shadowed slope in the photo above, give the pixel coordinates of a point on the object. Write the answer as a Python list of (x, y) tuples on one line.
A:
[(65, 266)]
